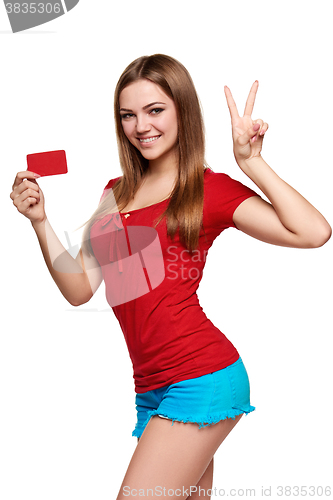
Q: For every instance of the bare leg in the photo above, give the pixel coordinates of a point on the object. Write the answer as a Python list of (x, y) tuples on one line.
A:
[(204, 484), (169, 460)]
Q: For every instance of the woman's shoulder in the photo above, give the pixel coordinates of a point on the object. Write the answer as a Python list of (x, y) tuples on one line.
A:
[(109, 186), (218, 179), (220, 186), (112, 182)]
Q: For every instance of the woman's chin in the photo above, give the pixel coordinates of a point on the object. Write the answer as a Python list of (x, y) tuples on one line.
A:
[(150, 155)]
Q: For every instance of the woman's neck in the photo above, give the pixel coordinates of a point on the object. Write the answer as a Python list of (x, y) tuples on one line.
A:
[(163, 167)]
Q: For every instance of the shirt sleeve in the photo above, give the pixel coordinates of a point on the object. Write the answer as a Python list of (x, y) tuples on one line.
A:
[(107, 188), (225, 195)]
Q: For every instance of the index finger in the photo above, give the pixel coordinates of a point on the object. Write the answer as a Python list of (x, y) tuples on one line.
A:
[(26, 174), (251, 99), (231, 104)]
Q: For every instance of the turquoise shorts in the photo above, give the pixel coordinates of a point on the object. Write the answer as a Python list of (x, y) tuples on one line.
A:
[(203, 400)]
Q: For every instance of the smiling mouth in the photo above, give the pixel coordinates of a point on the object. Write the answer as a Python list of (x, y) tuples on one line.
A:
[(146, 140)]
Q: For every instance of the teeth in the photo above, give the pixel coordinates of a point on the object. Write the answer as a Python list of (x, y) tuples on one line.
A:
[(150, 139)]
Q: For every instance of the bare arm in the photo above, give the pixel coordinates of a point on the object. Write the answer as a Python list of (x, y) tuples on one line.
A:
[(290, 220), (77, 279)]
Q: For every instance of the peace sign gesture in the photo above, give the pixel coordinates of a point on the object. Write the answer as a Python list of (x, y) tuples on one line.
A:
[(247, 134)]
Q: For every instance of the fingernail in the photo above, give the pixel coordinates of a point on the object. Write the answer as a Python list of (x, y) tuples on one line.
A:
[(37, 175), (256, 127)]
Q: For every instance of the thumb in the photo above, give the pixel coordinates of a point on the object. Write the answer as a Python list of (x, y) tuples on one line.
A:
[(246, 137)]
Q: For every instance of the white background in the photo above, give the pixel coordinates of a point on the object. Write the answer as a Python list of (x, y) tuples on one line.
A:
[(66, 387)]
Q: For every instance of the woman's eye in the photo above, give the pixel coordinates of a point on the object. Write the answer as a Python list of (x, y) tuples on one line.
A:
[(126, 115), (156, 111)]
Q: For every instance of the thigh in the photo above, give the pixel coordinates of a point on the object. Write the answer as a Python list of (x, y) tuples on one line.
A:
[(169, 460)]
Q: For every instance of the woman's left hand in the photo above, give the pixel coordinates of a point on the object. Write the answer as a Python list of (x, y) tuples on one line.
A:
[(247, 134)]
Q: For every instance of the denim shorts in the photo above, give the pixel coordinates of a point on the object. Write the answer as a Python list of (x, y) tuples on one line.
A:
[(203, 400)]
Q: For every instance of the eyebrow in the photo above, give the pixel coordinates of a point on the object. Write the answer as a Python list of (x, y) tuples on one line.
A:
[(144, 107)]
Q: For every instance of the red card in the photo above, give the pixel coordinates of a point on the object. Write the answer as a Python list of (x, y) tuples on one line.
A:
[(49, 163)]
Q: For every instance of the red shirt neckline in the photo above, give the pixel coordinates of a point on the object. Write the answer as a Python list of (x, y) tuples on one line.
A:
[(142, 208), (154, 204)]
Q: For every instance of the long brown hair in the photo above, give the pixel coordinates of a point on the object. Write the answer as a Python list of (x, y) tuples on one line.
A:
[(185, 207)]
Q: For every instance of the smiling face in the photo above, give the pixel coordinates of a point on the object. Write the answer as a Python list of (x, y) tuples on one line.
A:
[(149, 120)]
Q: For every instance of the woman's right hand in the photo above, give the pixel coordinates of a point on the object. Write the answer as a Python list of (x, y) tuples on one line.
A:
[(28, 197)]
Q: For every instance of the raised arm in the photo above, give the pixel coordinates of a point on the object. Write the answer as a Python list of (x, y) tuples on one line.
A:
[(77, 279), (289, 220)]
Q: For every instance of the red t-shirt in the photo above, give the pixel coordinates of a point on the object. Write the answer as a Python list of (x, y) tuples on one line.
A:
[(153, 293)]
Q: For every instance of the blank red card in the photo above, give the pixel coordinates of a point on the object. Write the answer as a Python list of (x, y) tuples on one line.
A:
[(49, 163)]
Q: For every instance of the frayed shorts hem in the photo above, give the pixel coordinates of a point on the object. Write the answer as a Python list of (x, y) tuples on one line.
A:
[(202, 400), (202, 422)]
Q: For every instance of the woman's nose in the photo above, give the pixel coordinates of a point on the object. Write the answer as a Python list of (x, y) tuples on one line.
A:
[(142, 124)]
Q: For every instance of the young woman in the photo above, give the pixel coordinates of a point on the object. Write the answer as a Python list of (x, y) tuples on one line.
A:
[(148, 240)]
